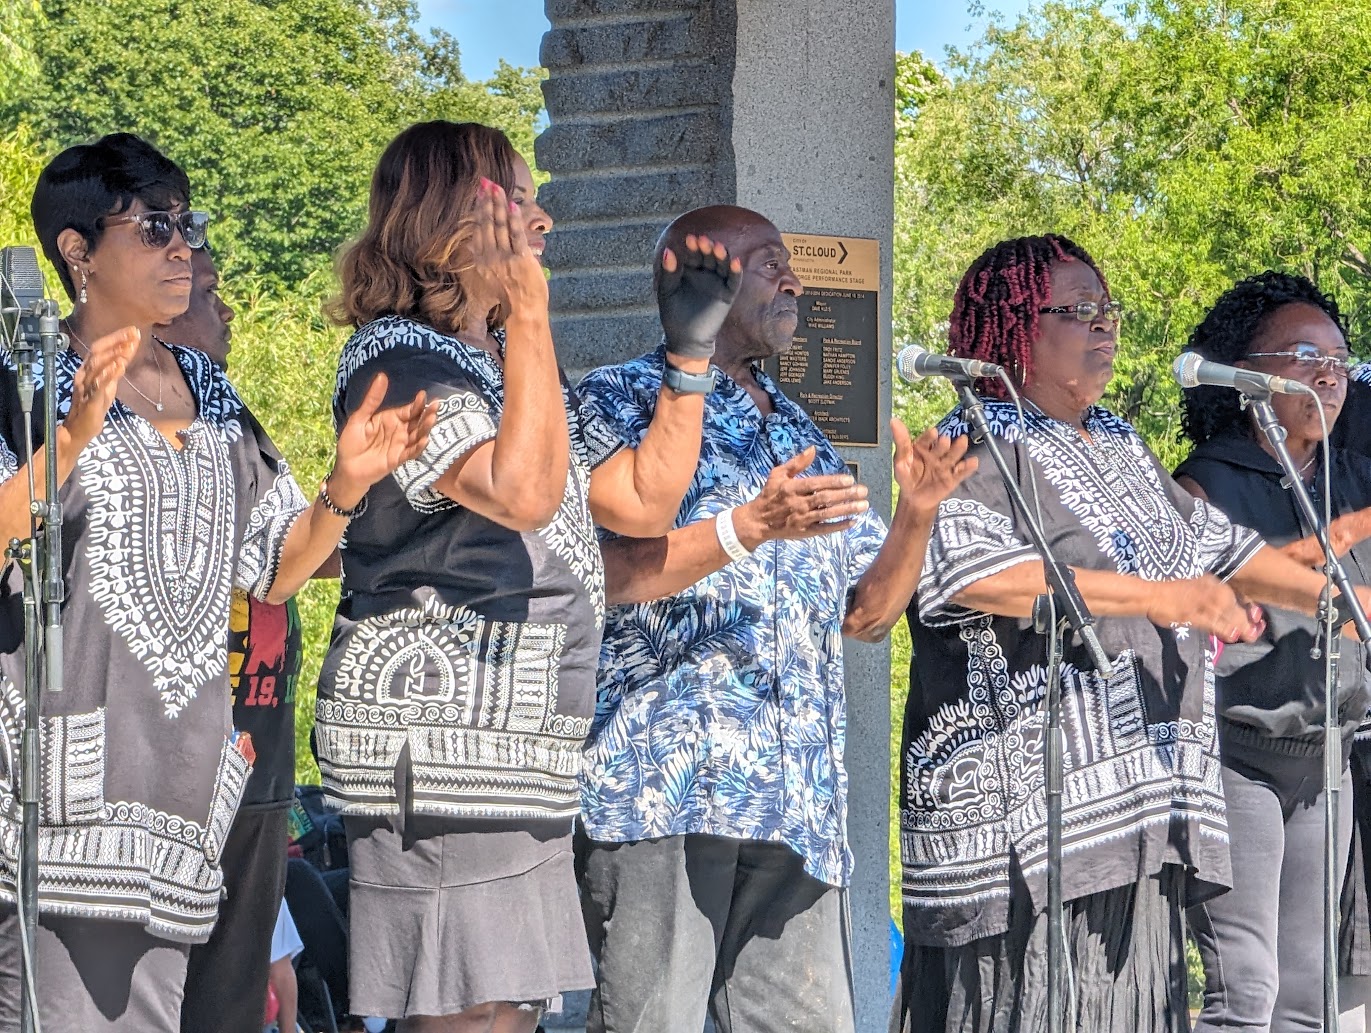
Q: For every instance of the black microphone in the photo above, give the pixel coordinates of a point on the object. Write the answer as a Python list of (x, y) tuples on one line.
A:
[(21, 294), (1192, 371), (914, 363)]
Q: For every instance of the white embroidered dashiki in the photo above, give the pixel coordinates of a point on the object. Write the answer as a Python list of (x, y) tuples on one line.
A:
[(139, 779), (471, 644), (1142, 764)]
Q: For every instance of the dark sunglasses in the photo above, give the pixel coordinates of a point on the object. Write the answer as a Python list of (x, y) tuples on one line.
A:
[(1086, 311), (156, 228)]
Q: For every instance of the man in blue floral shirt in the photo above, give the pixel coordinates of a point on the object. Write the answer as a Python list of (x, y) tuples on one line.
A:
[(714, 795)]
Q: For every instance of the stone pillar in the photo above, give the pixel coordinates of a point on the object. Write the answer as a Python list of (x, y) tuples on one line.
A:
[(784, 106)]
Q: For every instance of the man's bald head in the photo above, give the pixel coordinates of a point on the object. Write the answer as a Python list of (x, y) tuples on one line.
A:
[(762, 320), (725, 223)]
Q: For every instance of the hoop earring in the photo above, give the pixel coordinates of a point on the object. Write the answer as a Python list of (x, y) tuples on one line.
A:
[(82, 298)]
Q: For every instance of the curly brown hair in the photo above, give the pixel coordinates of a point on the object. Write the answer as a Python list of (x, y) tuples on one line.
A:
[(408, 260)]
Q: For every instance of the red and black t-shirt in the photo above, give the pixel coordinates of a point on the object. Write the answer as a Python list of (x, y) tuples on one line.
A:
[(264, 662)]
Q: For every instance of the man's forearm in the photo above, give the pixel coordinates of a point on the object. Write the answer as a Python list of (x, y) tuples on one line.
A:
[(884, 591), (638, 570)]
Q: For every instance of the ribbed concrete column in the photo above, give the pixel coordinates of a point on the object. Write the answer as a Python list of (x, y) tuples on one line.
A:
[(785, 106), (637, 97)]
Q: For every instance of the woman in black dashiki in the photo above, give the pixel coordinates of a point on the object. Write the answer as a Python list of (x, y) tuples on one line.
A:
[(460, 681), (1143, 816), (1264, 963), (171, 495)]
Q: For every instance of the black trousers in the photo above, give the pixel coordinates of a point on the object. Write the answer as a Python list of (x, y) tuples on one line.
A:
[(226, 981)]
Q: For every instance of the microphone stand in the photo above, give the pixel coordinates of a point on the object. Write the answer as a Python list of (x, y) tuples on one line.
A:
[(1062, 608), (40, 562), (1259, 400)]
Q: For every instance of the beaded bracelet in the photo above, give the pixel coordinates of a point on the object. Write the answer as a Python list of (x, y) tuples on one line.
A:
[(337, 510)]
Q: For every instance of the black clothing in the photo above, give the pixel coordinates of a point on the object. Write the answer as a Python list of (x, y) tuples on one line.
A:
[(1272, 686)]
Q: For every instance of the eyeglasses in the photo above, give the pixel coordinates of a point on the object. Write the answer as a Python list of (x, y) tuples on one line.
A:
[(156, 228), (1086, 311), (1307, 356)]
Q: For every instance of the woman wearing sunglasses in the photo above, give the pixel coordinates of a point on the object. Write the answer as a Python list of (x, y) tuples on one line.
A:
[(1261, 940), (172, 495)]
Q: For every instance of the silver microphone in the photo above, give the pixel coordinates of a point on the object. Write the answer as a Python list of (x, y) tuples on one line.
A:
[(1192, 371), (915, 362), (21, 290)]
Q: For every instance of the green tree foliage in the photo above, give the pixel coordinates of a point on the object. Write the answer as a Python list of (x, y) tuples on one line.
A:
[(278, 109), (1184, 143)]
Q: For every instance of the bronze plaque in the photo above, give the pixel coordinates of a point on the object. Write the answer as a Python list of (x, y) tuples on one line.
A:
[(832, 369)]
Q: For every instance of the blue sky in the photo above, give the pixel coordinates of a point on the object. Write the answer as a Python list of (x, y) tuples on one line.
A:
[(491, 29)]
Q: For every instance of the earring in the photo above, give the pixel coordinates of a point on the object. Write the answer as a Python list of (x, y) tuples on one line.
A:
[(82, 296)]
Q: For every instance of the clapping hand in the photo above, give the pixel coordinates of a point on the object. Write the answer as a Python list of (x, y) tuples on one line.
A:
[(792, 506), (376, 441), (929, 467), (97, 382), (695, 291), (496, 256), (1208, 604)]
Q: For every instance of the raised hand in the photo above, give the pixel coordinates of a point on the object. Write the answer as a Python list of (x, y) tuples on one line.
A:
[(97, 382), (695, 291), (496, 259), (792, 506), (376, 441), (1207, 603), (929, 467)]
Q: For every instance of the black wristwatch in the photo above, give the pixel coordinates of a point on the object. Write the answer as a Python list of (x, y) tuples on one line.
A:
[(684, 383)]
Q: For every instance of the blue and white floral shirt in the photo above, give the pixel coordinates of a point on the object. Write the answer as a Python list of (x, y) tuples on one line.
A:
[(721, 709)]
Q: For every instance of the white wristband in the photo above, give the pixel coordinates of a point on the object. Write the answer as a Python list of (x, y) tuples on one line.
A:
[(728, 536)]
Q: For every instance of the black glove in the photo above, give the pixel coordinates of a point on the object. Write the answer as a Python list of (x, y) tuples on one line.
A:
[(694, 298)]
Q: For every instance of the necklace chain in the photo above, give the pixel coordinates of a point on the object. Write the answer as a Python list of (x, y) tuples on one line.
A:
[(161, 380)]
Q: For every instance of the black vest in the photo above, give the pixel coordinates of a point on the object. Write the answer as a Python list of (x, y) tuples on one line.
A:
[(1272, 686)]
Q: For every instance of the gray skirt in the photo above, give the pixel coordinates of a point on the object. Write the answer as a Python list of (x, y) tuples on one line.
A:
[(1127, 949), (446, 915)]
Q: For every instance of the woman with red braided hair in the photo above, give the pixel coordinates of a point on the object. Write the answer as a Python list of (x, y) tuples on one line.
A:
[(1144, 830)]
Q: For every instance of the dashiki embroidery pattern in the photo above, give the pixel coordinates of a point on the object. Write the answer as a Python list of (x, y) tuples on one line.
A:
[(140, 782), (722, 709), (1142, 769), (468, 643)]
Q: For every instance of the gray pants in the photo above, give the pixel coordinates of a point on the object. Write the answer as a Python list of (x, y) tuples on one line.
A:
[(688, 924), (94, 976), (1262, 940)]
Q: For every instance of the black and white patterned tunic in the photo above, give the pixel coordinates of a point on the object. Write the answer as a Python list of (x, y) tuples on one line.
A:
[(139, 780), (471, 644), (1142, 767)]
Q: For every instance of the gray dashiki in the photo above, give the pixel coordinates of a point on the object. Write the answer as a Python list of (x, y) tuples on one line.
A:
[(139, 780), (471, 644), (1142, 782)]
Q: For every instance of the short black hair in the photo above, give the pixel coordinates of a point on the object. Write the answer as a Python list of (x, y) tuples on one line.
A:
[(1225, 335), (90, 180)]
